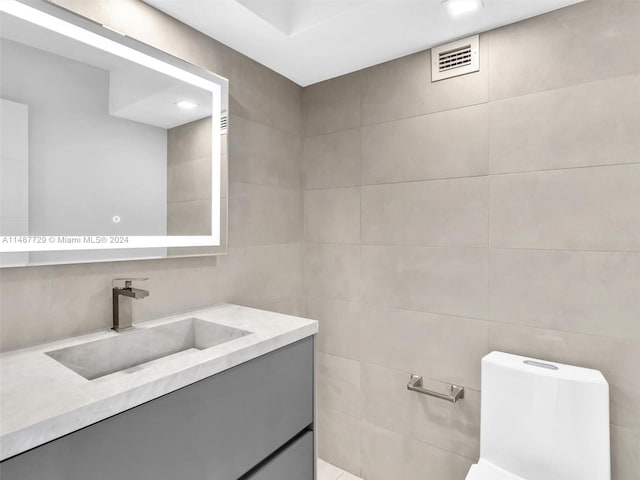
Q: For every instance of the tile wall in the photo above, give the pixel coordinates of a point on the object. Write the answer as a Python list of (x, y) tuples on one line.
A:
[(494, 211)]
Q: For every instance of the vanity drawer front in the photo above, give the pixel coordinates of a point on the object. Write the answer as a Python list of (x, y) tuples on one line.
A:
[(216, 429), (296, 462)]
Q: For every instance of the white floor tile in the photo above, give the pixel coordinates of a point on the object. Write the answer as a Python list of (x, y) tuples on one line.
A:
[(348, 476), (326, 471)]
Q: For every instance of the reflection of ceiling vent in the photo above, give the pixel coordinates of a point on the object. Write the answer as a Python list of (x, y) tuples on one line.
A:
[(455, 58), (224, 122)]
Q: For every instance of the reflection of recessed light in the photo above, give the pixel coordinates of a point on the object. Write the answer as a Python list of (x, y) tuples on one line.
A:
[(455, 8), (186, 104)]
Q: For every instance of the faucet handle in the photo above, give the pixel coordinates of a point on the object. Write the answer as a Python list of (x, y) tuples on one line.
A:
[(128, 281)]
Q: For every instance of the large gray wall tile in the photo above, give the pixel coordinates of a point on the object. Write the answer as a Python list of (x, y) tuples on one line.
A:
[(189, 141), (584, 292), (261, 95), (441, 145), (625, 456), (264, 155), (259, 275), (388, 404), (617, 359), (585, 42), (339, 440), (332, 105), (175, 285), (332, 215), (189, 180), (450, 213), (582, 209), (402, 88), (189, 218), (592, 124), (262, 214), (332, 271), (25, 306), (332, 160), (92, 310), (339, 326), (189, 187), (387, 455), (440, 280), (290, 306), (440, 347), (38, 304), (338, 384)]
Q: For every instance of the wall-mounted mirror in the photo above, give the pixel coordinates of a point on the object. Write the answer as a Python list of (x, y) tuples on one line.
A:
[(110, 149)]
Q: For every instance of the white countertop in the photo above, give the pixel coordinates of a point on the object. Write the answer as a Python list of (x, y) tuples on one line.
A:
[(41, 399)]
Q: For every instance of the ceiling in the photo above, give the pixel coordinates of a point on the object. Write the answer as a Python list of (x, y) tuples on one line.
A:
[(309, 41)]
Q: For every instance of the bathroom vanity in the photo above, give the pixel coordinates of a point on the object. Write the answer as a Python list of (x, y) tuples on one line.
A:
[(234, 401)]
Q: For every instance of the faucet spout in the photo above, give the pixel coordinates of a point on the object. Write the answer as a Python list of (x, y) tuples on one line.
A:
[(132, 292), (122, 318)]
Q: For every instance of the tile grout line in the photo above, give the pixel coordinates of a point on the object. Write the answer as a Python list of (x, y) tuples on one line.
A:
[(464, 247), (303, 243), (488, 39), (360, 280), (474, 104), (564, 87), (462, 177), (495, 322), (482, 175), (264, 125), (242, 182)]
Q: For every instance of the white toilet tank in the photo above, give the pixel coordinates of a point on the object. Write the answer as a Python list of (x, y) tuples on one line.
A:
[(543, 420)]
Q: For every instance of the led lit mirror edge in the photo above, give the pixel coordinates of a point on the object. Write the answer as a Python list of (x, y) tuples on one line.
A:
[(62, 13)]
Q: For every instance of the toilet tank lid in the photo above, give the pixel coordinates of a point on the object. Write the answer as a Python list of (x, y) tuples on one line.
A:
[(543, 367)]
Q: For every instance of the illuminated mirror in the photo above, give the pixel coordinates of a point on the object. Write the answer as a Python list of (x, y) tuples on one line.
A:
[(110, 149)]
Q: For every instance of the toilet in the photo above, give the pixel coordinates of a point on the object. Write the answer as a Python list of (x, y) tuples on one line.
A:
[(542, 421)]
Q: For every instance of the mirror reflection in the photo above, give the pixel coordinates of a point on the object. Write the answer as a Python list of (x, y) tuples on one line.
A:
[(94, 144)]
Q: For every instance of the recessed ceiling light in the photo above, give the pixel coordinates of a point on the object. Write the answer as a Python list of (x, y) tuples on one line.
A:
[(186, 104), (455, 8)]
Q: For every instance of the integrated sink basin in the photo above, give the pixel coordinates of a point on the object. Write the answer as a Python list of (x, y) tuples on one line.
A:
[(141, 345)]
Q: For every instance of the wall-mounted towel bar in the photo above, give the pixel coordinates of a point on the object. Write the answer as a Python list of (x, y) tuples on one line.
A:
[(456, 392)]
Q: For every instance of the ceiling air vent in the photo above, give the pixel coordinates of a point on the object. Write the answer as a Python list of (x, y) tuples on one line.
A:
[(455, 58)]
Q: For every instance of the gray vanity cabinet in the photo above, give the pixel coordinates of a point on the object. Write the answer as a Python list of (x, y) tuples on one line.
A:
[(295, 462), (253, 422)]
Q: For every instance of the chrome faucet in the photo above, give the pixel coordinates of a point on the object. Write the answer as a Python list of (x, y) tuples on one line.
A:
[(122, 315)]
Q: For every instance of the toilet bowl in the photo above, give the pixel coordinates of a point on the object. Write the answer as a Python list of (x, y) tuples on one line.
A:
[(542, 421)]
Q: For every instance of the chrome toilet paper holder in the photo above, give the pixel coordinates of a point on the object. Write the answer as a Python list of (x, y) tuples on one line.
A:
[(456, 392)]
